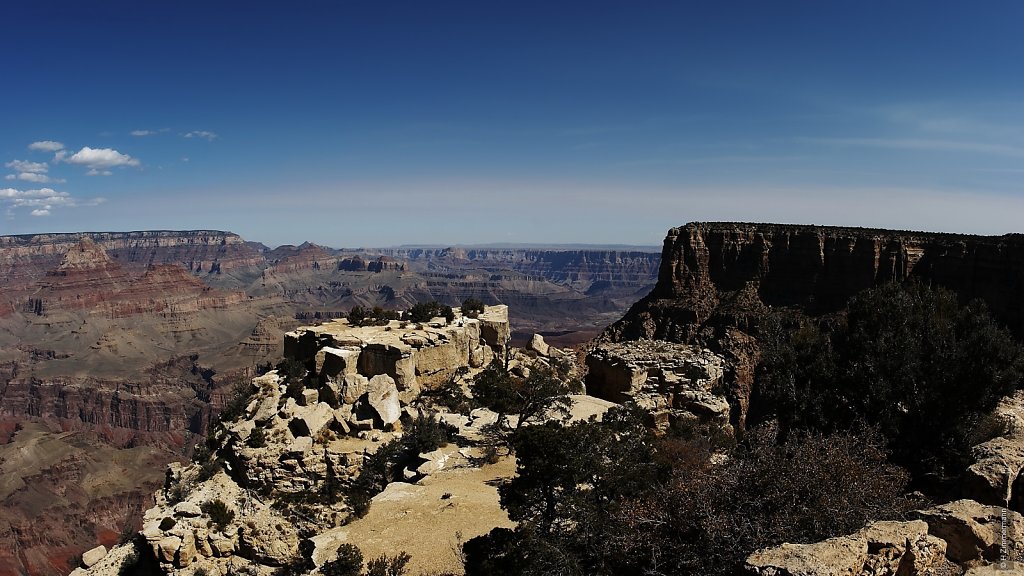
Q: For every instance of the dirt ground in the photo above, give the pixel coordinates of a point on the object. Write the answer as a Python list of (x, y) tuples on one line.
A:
[(430, 521)]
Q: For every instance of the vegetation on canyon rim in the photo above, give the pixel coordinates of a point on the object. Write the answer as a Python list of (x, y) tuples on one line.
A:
[(852, 411)]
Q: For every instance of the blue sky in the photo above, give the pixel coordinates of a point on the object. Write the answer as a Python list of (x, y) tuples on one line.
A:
[(382, 123)]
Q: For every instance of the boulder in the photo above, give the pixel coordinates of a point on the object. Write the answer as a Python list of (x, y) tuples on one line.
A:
[(538, 345), (310, 397), (167, 547), (317, 418), (997, 465), (893, 546), (382, 396), (974, 531), (841, 556), (187, 550), (300, 445), (187, 510), (354, 386), (94, 555), (332, 362), (221, 545)]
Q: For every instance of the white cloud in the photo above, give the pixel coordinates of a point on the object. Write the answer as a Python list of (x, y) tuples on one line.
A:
[(143, 132), (46, 146), (34, 177), (205, 134), (95, 172), (98, 159), (27, 166), (41, 201)]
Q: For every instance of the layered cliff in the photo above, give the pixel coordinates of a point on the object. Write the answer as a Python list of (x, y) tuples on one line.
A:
[(582, 269), (717, 279)]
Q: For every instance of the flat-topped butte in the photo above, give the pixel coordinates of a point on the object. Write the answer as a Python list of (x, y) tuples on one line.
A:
[(416, 355)]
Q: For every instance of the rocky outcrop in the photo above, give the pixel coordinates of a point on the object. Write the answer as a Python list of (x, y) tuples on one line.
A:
[(415, 356), (674, 383), (975, 532), (719, 278), (945, 540), (994, 477)]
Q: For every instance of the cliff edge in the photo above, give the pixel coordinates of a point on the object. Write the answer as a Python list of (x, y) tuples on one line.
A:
[(717, 279)]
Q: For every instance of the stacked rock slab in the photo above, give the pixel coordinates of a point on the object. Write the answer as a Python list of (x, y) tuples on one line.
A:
[(416, 355), (673, 382)]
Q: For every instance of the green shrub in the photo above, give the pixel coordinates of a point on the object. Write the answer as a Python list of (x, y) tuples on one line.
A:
[(905, 358), (425, 434), (388, 566), (349, 562), (237, 399), (471, 307), (426, 311), (220, 515)]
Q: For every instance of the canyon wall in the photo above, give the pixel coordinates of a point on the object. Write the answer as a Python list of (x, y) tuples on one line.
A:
[(717, 279), (582, 269)]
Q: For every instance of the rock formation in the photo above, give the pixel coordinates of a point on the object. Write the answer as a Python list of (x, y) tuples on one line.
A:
[(674, 383), (717, 279), (416, 356), (945, 539)]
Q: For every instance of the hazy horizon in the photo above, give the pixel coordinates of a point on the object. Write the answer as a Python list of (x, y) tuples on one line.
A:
[(460, 123)]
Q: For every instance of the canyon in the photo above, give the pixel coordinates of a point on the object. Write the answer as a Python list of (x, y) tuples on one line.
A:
[(122, 346)]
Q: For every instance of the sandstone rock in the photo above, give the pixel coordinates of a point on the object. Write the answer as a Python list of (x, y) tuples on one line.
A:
[(973, 531), (354, 386), (450, 419), (907, 546), (436, 460), (168, 547), (187, 510), (671, 381), (310, 397), (881, 548), (187, 550), (94, 555), (997, 466), (538, 345), (300, 445), (333, 362), (841, 556), (221, 545), (382, 396), (317, 418)]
